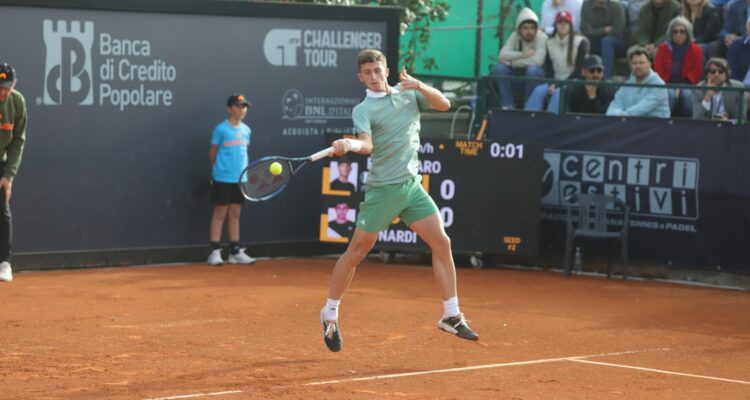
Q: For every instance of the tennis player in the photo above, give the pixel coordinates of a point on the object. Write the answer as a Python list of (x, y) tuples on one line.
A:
[(387, 123)]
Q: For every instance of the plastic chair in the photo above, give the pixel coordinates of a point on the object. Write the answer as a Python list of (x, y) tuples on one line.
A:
[(587, 216)]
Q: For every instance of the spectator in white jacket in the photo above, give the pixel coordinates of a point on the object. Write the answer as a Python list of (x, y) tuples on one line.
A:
[(566, 51), (550, 8), (522, 55)]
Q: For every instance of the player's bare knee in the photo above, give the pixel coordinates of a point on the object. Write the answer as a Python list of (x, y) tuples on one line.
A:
[(358, 252), (442, 243)]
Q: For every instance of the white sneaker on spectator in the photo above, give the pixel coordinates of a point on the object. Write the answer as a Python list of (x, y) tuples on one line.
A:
[(215, 258), (241, 258), (6, 274)]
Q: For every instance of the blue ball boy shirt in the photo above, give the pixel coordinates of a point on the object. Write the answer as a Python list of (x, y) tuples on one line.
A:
[(231, 158)]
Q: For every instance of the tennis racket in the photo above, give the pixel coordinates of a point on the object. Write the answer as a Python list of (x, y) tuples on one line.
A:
[(257, 183)]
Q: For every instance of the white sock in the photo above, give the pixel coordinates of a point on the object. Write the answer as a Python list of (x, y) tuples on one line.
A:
[(331, 310), (450, 307)]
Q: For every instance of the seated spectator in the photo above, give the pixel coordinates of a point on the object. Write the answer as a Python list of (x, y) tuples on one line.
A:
[(739, 57), (706, 20), (550, 8), (603, 24), (679, 60), (566, 51), (652, 23), (721, 6), (640, 101), (588, 99), (734, 22), (522, 55), (632, 12), (714, 103)]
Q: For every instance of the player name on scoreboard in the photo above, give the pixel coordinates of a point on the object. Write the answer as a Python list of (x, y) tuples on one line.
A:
[(488, 194)]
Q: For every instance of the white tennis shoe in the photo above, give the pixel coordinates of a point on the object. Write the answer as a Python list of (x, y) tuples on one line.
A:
[(241, 258), (6, 274), (215, 258)]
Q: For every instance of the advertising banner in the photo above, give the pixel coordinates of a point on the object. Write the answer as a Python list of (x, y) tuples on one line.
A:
[(684, 181), (122, 104)]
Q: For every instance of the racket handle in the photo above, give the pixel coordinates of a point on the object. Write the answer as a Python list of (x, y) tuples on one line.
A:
[(321, 154)]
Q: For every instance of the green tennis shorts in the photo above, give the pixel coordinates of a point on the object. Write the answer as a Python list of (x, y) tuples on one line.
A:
[(406, 200)]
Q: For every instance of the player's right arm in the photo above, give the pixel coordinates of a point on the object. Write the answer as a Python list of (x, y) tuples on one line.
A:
[(364, 139), (343, 146)]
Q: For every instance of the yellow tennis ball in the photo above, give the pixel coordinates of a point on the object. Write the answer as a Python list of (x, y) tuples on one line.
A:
[(275, 168)]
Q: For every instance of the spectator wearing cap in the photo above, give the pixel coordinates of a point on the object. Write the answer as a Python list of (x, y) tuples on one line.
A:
[(706, 20), (679, 60), (13, 120), (739, 57), (717, 104), (586, 98), (652, 23), (522, 55), (603, 24), (640, 101), (734, 24), (228, 157), (566, 51), (550, 9)]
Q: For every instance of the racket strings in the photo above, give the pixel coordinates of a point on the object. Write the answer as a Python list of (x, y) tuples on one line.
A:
[(258, 181)]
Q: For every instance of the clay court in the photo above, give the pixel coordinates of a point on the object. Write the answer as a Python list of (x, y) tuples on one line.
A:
[(193, 331)]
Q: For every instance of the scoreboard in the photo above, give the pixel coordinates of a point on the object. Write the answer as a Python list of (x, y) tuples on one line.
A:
[(488, 194)]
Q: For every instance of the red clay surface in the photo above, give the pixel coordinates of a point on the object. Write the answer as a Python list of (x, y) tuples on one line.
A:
[(253, 333)]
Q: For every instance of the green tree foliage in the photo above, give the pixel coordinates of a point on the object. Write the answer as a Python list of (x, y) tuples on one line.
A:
[(416, 19)]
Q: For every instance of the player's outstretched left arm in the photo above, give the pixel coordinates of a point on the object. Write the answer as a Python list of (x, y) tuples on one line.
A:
[(436, 98)]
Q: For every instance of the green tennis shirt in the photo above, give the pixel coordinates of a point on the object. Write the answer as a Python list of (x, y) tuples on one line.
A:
[(393, 123), (12, 131)]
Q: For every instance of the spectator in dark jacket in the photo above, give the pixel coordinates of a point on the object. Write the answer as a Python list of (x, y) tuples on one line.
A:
[(679, 60), (603, 24), (739, 57), (652, 23), (587, 99), (734, 23), (706, 22)]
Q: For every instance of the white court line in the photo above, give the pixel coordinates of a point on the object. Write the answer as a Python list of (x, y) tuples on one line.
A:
[(476, 367), (435, 371), (192, 396), (661, 371)]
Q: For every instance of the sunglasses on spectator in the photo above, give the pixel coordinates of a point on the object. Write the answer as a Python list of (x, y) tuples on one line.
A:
[(716, 71), (679, 32), (595, 70)]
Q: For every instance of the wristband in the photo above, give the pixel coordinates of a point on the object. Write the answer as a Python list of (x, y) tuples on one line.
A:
[(356, 145)]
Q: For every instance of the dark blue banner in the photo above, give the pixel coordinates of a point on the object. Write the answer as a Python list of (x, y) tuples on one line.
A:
[(686, 182)]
